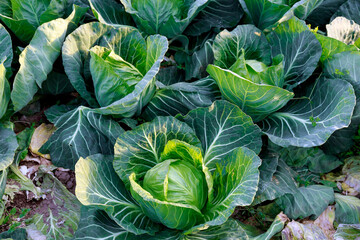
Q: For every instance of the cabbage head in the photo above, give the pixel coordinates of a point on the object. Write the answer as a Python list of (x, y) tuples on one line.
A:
[(113, 67)]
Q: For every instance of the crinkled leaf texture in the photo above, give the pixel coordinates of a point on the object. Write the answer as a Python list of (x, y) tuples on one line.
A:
[(125, 42), (80, 133), (165, 17)]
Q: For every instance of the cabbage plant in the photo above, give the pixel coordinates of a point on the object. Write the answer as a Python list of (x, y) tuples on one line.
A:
[(174, 177), (113, 68), (262, 74)]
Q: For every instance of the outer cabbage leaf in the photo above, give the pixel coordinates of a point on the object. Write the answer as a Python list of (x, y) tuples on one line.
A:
[(217, 14), (3, 179), (230, 230), (350, 10), (56, 9), (8, 145), (300, 48), (264, 13), (181, 98), (5, 7), (139, 150), (17, 234), (228, 46), (347, 209), (56, 83), (236, 181), (4, 91), (312, 158), (110, 12), (331, 46), (98, 185), (307, 201), (222, 128), (276, 179), (6, 52), (169, 75), (95, 223), (344, 66), (166, 17), (322, 14), (81, 133), (195, 65), (303, 8), (36, 61), (21, 28), (310, 121), (255, 99)]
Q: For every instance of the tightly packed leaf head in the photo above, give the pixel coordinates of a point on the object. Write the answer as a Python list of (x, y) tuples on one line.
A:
[(176, 181)]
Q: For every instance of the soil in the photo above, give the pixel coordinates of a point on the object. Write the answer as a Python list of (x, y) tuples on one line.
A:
[(23, 201), (67, 178), (20, 202)]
